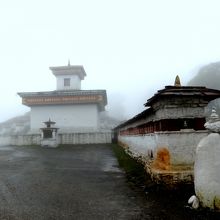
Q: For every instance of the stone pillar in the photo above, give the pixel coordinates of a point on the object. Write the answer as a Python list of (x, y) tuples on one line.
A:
[(207, 166)]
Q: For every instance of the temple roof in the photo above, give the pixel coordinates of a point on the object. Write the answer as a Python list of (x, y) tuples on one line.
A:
[(69, 70), (173, 91), (184, 91)]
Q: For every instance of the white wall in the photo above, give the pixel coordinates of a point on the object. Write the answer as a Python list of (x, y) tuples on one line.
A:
[(74, 117), (139, 145), (86, 138), (75, 82), (74, 138), (181, 144)]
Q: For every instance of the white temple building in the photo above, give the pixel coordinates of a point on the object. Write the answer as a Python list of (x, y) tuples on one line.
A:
[(73, 109)]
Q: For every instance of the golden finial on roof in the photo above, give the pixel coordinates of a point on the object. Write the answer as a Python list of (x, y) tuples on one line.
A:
[(177, 81)]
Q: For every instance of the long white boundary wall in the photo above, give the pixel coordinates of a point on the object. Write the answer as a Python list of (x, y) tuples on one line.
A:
[(181, 144), (74, 138)]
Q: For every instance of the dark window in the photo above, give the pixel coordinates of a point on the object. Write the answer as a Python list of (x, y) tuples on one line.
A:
[(48, 133), (66, 81)]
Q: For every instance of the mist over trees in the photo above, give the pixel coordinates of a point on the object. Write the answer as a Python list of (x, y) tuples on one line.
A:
[(208, 76)]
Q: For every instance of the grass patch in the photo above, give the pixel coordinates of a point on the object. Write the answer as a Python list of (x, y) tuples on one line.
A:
[(134, 170)]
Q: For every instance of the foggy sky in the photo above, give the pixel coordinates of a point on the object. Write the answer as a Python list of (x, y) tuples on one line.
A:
[(130, 48)]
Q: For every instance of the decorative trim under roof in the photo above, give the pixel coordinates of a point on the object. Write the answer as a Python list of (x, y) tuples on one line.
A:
[(63, 97)]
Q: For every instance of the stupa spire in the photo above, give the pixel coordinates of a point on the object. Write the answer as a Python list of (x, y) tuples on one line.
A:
[(177, 81)]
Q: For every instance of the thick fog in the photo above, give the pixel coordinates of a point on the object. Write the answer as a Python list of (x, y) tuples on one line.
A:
[(130, 48), (208, 76)]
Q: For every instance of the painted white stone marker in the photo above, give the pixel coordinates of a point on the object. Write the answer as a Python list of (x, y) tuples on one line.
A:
[(207, 166)]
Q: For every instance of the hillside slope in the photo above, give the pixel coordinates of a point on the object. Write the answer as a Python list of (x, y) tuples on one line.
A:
[(208, 76), (21, 124)]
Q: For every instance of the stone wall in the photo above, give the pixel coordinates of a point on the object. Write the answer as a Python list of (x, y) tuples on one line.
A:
[(74, 138), (177, 112)]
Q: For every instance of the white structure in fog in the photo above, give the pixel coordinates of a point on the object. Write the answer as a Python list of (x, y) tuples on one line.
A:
[(73, 109), (207, 164)]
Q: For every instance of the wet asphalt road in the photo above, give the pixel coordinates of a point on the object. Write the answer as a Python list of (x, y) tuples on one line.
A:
[(72, 182)]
